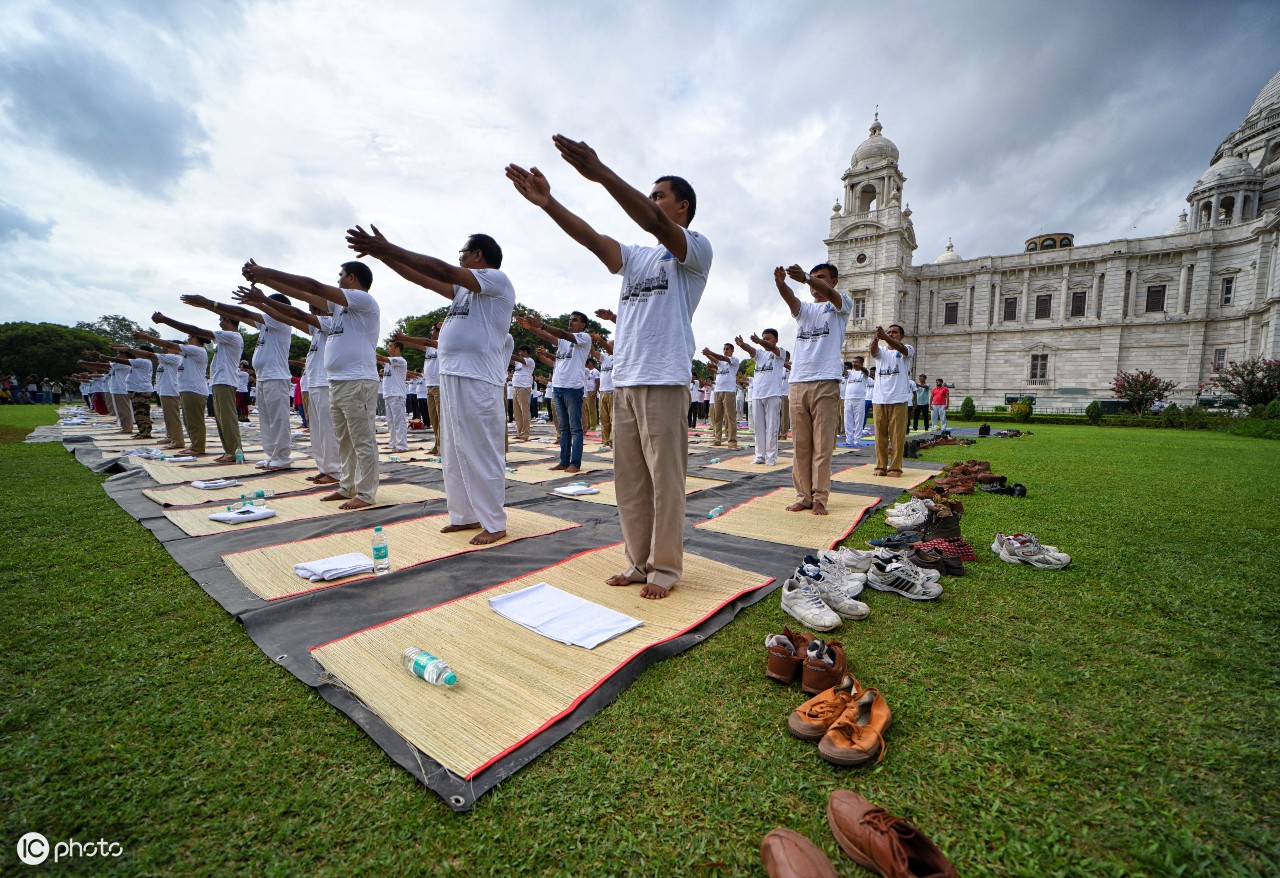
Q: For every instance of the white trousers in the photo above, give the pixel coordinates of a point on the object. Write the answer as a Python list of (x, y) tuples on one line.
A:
[(324, 444), (764, 420), (940, 417), (274, 402), (855, 419), (397, 424), (473, 452)]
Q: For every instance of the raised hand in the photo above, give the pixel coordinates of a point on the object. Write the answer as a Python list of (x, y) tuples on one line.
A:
[(157, 317), (606, 314), (780, 276), (737, 339), (139, 334), (582, 157), (707, 352), (531, 184), (372, 243), (880, 334), (798, 274), (249, 270), (529, 321), (755, 338), (196, 301)]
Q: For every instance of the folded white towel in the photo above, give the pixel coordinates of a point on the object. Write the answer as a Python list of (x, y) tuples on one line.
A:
[(554, 613), (214, 484), (181, 458), (335, 568), (71, 421), (576, 490), (244, 513)]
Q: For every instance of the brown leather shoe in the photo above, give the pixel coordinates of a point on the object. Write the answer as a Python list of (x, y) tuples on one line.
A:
[(887, 845), (788, 854), (782, 665), (857, 737), (818, 676), (810, 721)]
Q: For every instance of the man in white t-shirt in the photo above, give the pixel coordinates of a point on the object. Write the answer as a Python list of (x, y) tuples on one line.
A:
[(193, 385), (890, 397), (816, 369), (724, 412), (521, 388), (854, 394), (653, 354), (223, 376), (353, 331), (431, 384), (604, 356), (569, 379), (591, 395), (164, 355), (474, 349), (394, 389), (766, 396)]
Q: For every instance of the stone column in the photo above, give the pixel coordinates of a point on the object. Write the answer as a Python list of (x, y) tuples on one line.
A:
[(1064, 307), (1183, 302), (1097, 295), (1026, 297), (1213, 211)]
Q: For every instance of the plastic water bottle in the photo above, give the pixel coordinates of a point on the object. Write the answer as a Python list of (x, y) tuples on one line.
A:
[(381, 552), (423, 664), (239, 454), (260, 494), (243, 504), (714, 460), (719, 510), (395, 458), (511, 469)]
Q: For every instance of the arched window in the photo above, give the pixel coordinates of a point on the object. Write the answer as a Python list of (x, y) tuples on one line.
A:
[(1048, 244), (1227, 210), (1206, 214), (1031, 245), (1065, 242), (867, 198)]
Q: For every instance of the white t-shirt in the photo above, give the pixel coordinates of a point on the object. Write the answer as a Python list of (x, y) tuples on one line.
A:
[(139, 378), (727, 375), (271, 356), (167, 374), (893, 384), (606, 372), (523, 375), (476, 329), (570, 372), (191, 372), (819, 337), (226, 357), (855, 385), (415, 386), (592, 379), (349, 352), (654, 342), (314, 374), (766, 381), (693, 391), (393, 383), (431, 367)]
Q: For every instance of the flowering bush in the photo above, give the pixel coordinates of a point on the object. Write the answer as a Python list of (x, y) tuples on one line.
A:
[(1140, 389), (1253, 382)]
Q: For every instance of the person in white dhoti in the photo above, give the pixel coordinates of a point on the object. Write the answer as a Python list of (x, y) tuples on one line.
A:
[(766, 395), (854, 394), (394, 388), (475, 348)]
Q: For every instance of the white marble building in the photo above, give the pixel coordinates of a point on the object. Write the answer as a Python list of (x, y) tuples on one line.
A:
[(1060, 319)]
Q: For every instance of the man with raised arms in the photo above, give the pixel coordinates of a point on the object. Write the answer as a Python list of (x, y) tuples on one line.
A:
[(193, 386), (568, 378), (653, 354), (724, 418), (766, 397), (349, 363), (890, 397), (474, 348), (815, 379)]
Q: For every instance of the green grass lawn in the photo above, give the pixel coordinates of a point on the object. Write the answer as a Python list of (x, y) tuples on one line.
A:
[(1115, 718)]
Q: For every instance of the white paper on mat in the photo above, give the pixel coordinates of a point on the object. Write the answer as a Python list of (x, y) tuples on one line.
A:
[(564, 617)]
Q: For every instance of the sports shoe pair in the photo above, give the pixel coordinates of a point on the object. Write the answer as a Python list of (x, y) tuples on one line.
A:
[(902, 577), (911, 514), (847, 721), (887, 845), (1026, 549), (819, 664), (821, 600)]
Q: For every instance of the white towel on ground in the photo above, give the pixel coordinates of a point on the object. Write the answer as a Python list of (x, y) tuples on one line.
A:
[(335, 568), (181, 458), (553, 613), (576, 490), (214, 484), (244, 513)]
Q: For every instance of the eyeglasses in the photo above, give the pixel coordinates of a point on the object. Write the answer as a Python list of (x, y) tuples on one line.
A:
[(466, 251)]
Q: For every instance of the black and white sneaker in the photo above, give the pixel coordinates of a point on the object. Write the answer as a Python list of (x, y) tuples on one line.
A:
[(903, 578)]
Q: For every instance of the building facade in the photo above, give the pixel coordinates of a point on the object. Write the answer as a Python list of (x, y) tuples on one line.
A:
[(1058, 320)]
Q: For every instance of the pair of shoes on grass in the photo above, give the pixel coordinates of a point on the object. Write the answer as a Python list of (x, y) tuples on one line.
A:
[(820, 594), (818, 664), (847, 721), (1015, 490), (875, 839), (1026, 549)]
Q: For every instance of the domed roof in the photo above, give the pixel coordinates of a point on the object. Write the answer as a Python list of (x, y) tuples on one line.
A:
[(1180, 226), (1269, 96), (1229, 167), (876, 148), (948, 255)]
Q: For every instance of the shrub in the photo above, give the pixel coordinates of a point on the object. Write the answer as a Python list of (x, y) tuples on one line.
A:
[(1021, 411), (999, 408), (1194, 417), (1259, 429), (1094, 412), (968, 411), (1140, 389), (1172, 415), (1272, 412), (1253, 382)]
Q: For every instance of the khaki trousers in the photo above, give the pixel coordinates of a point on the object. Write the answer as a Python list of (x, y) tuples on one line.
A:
[(225, 417), (433, 412), (124, 411), (726, 404), (606, 417), (815, 418), (590, 417), (651, 449), (193, 416), (784, 422), (352, 405), (890, 421), (520, 408), (170, 406)]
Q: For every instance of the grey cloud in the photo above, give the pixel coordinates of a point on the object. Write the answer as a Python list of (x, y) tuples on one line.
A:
[(100, 114), (15, 223)]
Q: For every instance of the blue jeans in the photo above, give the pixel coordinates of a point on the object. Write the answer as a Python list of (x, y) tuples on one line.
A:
[(569, 425)]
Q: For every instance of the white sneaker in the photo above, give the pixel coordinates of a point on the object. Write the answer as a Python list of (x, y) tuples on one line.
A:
[(888, 556), (803, 603), (833, 594), (853, 560), (1026, 549), (836, 574), (903, 579), (908, 515)]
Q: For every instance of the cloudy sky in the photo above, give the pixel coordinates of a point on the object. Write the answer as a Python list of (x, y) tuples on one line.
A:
[(147, 148)]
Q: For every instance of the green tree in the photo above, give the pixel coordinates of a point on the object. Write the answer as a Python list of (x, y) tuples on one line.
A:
[(968, 411), (114, 327), (1140, 389), (48, 350), (1253, 382)]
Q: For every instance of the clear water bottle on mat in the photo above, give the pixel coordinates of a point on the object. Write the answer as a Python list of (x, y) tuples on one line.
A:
[(719, 510), (381, 552), (260, 494), (423, 664), (239, 454)]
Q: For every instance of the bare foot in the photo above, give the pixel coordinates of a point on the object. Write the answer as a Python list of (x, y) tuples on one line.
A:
[(484, 538), (572, 469), (454, 528), (818, 508), (314, 478), (654, 592), (619, 579), (325, 479), (798, 506), (354, 503), (224, 459), (560, 466), (334, 496)]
